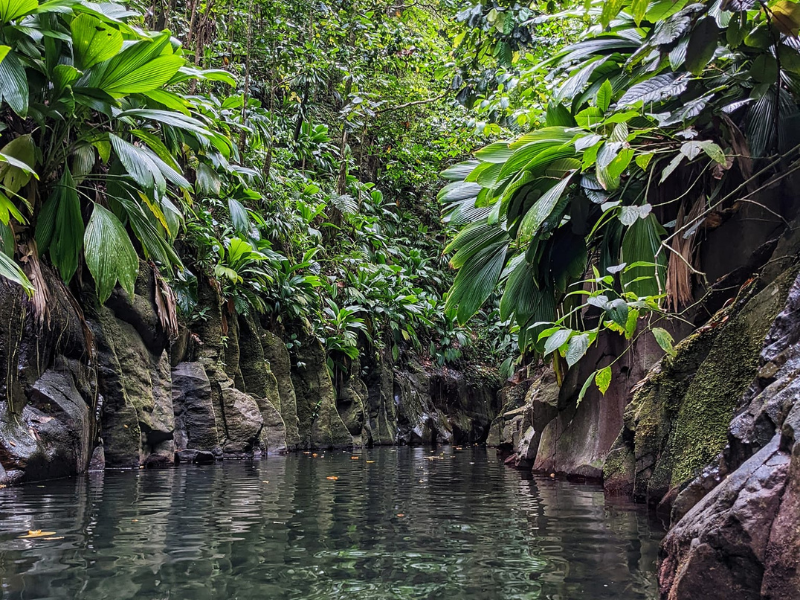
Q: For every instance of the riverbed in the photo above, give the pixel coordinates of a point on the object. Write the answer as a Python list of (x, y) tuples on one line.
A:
[(387, 523)]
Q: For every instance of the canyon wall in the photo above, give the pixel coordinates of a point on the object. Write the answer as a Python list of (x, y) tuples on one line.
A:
[(122, 386)]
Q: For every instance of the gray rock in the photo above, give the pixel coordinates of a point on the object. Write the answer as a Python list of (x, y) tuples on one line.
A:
[(195, 419), (319, 422), (98, 460), (243, 422), (198, 457), (735, 532), (276, 354)]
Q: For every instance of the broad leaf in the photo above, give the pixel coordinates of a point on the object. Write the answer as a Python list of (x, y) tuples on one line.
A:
[(11, 271), (14, 84), (139, 165), (556, 340), (241, 222), (93, 41), (604, 95), (59, 228), (110, 255), (702, 45), (660, 87), (664, 339), (542, 208), (578, 345), (13, 9), (603, 379)]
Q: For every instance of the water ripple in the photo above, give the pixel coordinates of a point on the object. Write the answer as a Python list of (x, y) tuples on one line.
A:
[(408, 524)]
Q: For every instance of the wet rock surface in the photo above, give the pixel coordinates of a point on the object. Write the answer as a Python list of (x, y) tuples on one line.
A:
[(111, 389), (736, 524)]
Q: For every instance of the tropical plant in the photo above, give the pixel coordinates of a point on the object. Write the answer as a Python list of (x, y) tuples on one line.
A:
[(93, 132), (654, 94)]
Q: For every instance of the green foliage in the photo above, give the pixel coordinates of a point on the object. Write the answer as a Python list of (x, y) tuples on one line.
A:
[(656, 108)]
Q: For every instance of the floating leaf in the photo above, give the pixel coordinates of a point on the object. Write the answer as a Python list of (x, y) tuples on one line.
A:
[(36, 533)]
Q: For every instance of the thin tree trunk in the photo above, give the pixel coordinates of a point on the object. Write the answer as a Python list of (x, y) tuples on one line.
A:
[(246, 95)]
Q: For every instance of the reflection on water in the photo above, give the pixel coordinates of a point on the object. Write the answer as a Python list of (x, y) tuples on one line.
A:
[(396, 524)]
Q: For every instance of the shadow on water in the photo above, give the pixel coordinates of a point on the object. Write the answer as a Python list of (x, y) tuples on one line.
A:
[(398, 523)]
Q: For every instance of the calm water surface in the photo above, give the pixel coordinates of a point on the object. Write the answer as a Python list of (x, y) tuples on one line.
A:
[(397, 524)]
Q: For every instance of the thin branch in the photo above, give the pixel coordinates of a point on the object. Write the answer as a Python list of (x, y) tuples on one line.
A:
[(408, 104)]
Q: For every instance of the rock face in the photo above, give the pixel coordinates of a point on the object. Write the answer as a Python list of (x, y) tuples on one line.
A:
[(518, 429), (195, 420), (276, 354), (545, 428), (678, 419), (48, 390), (134, 378), (113, 389), (736, 531), (320, 425)]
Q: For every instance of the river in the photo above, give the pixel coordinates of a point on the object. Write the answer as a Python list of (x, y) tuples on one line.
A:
[(387, 523)]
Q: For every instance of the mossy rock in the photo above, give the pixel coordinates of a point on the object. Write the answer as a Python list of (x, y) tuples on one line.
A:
[(701, 427)]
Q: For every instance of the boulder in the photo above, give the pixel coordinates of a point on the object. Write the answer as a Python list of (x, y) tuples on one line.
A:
[(273, 432), (510, 397), (195, 419), (242, 421), (718, 549), (52, 436)]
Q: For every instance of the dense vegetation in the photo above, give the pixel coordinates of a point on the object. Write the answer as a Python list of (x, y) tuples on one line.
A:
[(289, 151)]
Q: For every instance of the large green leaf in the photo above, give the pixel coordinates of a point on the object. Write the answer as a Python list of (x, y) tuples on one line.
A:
[(93, 41), (542, 209), (150, 76), (139, 165), (702, 45), (578, 345), (11, 271), (471, 240), (17, 159), (239, 217), (62, 227), (639, 246), (12, 9), (14, 84), (476, 281), (656, 89), (110, 255), (129, 60), (155, 246)]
